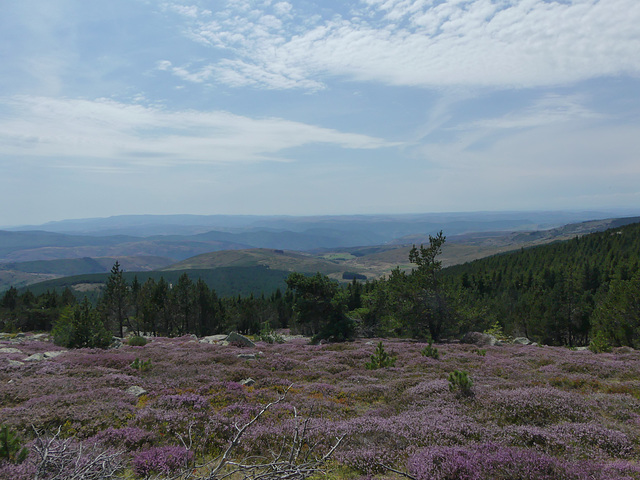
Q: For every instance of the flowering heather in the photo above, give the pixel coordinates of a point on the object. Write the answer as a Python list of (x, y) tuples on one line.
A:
[(161, 460), (537, 413)]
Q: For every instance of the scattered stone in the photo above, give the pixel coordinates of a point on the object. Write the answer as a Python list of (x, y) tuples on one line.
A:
[(43, 337), (238, 339), (15, 363), (9, 350), (624, 349), (212, 339), (247, 356), (581, 349), (521, 341), (479, 339), (136, 391), (57, 353), (36, 357), (248, 382)]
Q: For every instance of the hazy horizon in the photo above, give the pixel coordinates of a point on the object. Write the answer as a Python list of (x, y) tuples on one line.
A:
[(578, 214)]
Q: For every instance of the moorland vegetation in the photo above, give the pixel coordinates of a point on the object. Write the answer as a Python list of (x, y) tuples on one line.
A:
[(334, 403)]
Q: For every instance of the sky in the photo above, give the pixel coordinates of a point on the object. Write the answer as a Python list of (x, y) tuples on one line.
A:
[(317, 107)]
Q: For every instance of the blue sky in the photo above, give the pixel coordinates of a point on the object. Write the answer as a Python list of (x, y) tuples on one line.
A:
[(317, 107)]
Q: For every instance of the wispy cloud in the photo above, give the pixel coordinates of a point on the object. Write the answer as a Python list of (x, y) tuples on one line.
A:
[(85, 132), (422, 43), (546, 111)]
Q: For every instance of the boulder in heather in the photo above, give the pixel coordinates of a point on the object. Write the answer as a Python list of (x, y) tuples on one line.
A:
[(237, 339), (480, 339)]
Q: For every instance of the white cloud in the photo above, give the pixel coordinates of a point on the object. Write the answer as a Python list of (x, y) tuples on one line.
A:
[(520, 43), (87, 133), (549, 110)]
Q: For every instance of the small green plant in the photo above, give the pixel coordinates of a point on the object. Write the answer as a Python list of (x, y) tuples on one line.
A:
[(267, 334), (11, 448), (496, 331), (141, 366), (137, 341), (430, 352), (600, 344), (380, 359), (481, 351), (460, 383)]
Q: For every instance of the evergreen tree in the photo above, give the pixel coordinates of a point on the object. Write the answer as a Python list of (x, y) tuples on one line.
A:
[(115, 300)]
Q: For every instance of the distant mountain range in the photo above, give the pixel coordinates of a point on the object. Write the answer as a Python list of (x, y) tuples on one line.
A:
[(333, 245)]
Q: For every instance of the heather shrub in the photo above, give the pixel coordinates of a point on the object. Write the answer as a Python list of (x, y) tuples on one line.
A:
[(536, 406), (161, 460), (590, 436), (488, 462), (132, 438)]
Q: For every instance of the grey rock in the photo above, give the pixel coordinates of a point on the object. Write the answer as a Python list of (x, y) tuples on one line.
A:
[(479, 339), (55, 354), (247, 356), (15, 363), (136, 391), (212, 339), (624, 349), (116, 342), (20, 335), (248, 382), (235, 337), (36, 357), (43, 337), (9, 350), (521, 341)]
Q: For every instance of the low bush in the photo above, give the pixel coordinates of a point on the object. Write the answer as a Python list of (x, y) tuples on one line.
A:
[(460, 383), (137, 341)]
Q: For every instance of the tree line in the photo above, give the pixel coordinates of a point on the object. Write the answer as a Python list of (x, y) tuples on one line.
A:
[(566, 293)]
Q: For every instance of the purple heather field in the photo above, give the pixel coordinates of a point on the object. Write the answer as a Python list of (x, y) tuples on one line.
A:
[(535, 412)]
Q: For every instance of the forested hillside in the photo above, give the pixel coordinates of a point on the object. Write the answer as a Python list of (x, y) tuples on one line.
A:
[(575, 292), (559, 292)]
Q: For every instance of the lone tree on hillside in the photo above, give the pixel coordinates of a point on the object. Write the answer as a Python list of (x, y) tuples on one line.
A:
[(115, 301)]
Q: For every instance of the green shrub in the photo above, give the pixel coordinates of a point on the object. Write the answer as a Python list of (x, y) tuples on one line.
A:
[(137, 341), (141, 366), (460, 383), (380, 359), (430, 352), (80, 326), (11, 448), (481, 351), (267, 334), (600, 344), (496, 331)]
